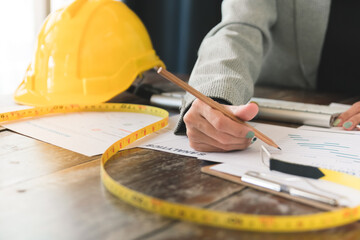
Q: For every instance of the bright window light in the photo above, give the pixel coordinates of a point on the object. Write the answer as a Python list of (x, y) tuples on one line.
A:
[(16, 42)]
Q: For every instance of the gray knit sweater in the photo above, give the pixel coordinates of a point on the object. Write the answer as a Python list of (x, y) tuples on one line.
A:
[(265, 42)]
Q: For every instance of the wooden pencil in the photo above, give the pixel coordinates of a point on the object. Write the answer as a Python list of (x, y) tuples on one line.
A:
[(171, 77)]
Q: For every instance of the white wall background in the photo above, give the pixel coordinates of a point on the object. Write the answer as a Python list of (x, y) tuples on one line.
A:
[(20, 21)]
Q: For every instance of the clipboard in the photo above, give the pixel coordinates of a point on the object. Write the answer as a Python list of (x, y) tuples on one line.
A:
[(238, 180)]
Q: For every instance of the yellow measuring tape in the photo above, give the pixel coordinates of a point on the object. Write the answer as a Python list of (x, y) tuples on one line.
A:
[(231, 220)]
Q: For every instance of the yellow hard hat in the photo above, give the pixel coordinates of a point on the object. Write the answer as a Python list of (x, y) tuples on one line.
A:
[(87, 53)]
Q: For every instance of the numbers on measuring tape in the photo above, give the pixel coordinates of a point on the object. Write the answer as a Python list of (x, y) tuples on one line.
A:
[(229, 220)]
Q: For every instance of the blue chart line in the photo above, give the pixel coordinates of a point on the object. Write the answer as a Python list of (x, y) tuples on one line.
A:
[(333, 148)]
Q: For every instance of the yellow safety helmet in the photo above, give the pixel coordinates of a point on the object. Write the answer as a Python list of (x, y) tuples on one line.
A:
[(87, 53)]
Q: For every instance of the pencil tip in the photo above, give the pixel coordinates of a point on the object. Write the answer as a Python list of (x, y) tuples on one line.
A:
[(279, 148)]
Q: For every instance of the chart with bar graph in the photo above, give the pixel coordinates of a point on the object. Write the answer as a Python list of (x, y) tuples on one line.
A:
[(333, 151)]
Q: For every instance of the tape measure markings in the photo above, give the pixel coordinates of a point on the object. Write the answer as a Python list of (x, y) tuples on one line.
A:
[(231, 220)]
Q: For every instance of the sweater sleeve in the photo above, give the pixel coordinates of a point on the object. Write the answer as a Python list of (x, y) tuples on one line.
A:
[(231, 54)]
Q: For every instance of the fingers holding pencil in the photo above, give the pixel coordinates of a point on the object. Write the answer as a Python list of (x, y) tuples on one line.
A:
[(214, 105), (209, 130)]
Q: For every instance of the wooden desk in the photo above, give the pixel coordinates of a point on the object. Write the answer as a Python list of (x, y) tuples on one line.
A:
[(47, 192)]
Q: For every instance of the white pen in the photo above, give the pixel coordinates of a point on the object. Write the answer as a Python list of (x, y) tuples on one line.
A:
[(255, 178)]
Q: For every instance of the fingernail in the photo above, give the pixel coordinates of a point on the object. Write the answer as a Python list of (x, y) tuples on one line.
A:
[(253, 140), (254, 102), (337, 121), (347, 124), (250, 134)]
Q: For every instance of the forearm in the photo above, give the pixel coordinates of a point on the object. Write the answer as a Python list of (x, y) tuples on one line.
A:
[(230, 57)]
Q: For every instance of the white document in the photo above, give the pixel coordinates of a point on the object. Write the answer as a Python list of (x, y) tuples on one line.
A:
[(92, 133), (334, 151), (165, 140), (88, 133), (339, 152), (331, 130), (345, 196)]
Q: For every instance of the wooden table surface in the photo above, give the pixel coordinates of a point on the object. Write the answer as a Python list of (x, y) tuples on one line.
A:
[(47, 192)]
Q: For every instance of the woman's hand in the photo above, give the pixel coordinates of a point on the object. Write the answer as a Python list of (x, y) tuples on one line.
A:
[(209, 130), (349, 119)]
